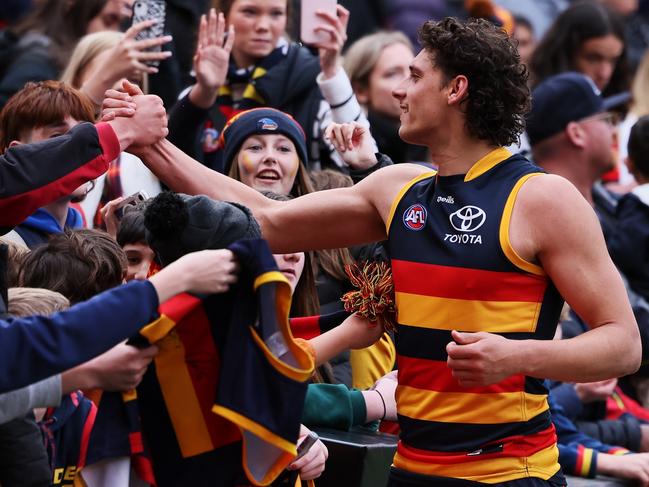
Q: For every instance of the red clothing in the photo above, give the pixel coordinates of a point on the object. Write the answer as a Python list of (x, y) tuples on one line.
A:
[(33, 175)]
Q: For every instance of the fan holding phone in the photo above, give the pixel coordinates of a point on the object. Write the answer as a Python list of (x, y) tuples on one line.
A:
[(244, 60)]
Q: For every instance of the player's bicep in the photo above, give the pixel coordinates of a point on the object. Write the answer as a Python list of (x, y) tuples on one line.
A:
[(325, 219), (339, 217), (573, 252)]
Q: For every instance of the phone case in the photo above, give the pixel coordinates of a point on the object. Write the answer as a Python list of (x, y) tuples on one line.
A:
[(309, 20), (150, 10)]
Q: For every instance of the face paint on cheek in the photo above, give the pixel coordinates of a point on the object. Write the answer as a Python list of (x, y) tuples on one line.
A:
[(292, 172), (247, 164)]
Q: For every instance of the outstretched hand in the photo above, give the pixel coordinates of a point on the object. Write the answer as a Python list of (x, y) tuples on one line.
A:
[(595, 391), (480, 359), (110, 218), (148, 118), (353, 142), (362, 333), (129, 57), (211, 59)]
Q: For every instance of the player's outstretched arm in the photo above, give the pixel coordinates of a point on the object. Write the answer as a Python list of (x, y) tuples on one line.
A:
[(554, 225), (325, 219)]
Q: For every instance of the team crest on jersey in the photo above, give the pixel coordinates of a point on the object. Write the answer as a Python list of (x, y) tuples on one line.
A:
[(267, 124), (414, 218)]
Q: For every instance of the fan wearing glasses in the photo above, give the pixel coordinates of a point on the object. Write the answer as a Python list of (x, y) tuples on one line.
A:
[(572, 133)]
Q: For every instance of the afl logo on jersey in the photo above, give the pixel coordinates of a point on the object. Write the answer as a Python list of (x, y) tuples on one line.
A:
[(414, 218)]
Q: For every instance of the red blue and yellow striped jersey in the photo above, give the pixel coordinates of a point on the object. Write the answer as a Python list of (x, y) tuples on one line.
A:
[(455, 269), (226, 391)]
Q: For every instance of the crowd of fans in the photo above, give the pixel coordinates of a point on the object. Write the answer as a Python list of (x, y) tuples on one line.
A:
[(143, 340)]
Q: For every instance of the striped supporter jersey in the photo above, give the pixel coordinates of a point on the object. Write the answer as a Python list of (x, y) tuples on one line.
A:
[(228, 372), (454, 269)]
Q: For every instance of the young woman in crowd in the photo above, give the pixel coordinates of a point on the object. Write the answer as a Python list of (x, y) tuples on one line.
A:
[(526, 38), (589, 38), (243, 60), (376, 64), (266, 149)]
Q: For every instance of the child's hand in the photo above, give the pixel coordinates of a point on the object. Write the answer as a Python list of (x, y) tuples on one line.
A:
[(361, 332), (109, 216), (312, 464)]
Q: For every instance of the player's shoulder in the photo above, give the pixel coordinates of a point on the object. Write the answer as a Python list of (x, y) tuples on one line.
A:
[(550, 191), (400, 174), (383, 186), (549, 200)]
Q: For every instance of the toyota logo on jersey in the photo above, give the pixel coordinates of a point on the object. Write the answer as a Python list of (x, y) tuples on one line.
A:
[(468, 218), (414, 218)]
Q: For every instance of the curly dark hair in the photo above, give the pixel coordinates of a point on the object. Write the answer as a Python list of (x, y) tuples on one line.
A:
[(498, 94)]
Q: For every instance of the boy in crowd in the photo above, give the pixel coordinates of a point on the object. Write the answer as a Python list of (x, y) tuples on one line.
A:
[(38, 112), (23, 459), (79, 265)]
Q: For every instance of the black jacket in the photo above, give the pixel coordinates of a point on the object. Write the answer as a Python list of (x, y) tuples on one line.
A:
[(23, 60), (629, 244)]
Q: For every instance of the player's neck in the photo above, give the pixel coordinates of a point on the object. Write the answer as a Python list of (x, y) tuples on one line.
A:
[(458, 154)]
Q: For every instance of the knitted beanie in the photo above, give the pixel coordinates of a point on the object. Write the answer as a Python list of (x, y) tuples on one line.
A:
[(177, 224), (260, 121)]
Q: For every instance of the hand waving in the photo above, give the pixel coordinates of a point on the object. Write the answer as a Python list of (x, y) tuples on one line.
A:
[(213, 51), (211, 58)]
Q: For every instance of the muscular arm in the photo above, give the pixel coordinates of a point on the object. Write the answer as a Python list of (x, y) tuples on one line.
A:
[(554, 226), (569, 244), (326, 219)]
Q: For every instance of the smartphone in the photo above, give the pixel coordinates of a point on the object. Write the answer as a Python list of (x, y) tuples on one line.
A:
[(309, 20), (150, 10), (288, 478), (132, 200), (306, 444)]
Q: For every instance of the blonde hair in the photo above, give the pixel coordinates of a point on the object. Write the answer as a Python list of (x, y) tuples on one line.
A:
[(88, 48), (640, 88), (362, 55), (30, 301)]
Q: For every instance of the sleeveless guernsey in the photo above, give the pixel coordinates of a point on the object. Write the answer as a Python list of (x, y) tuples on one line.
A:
[(454, 269)]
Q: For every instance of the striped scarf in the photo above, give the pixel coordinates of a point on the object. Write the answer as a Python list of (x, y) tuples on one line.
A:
[(226, 106)]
